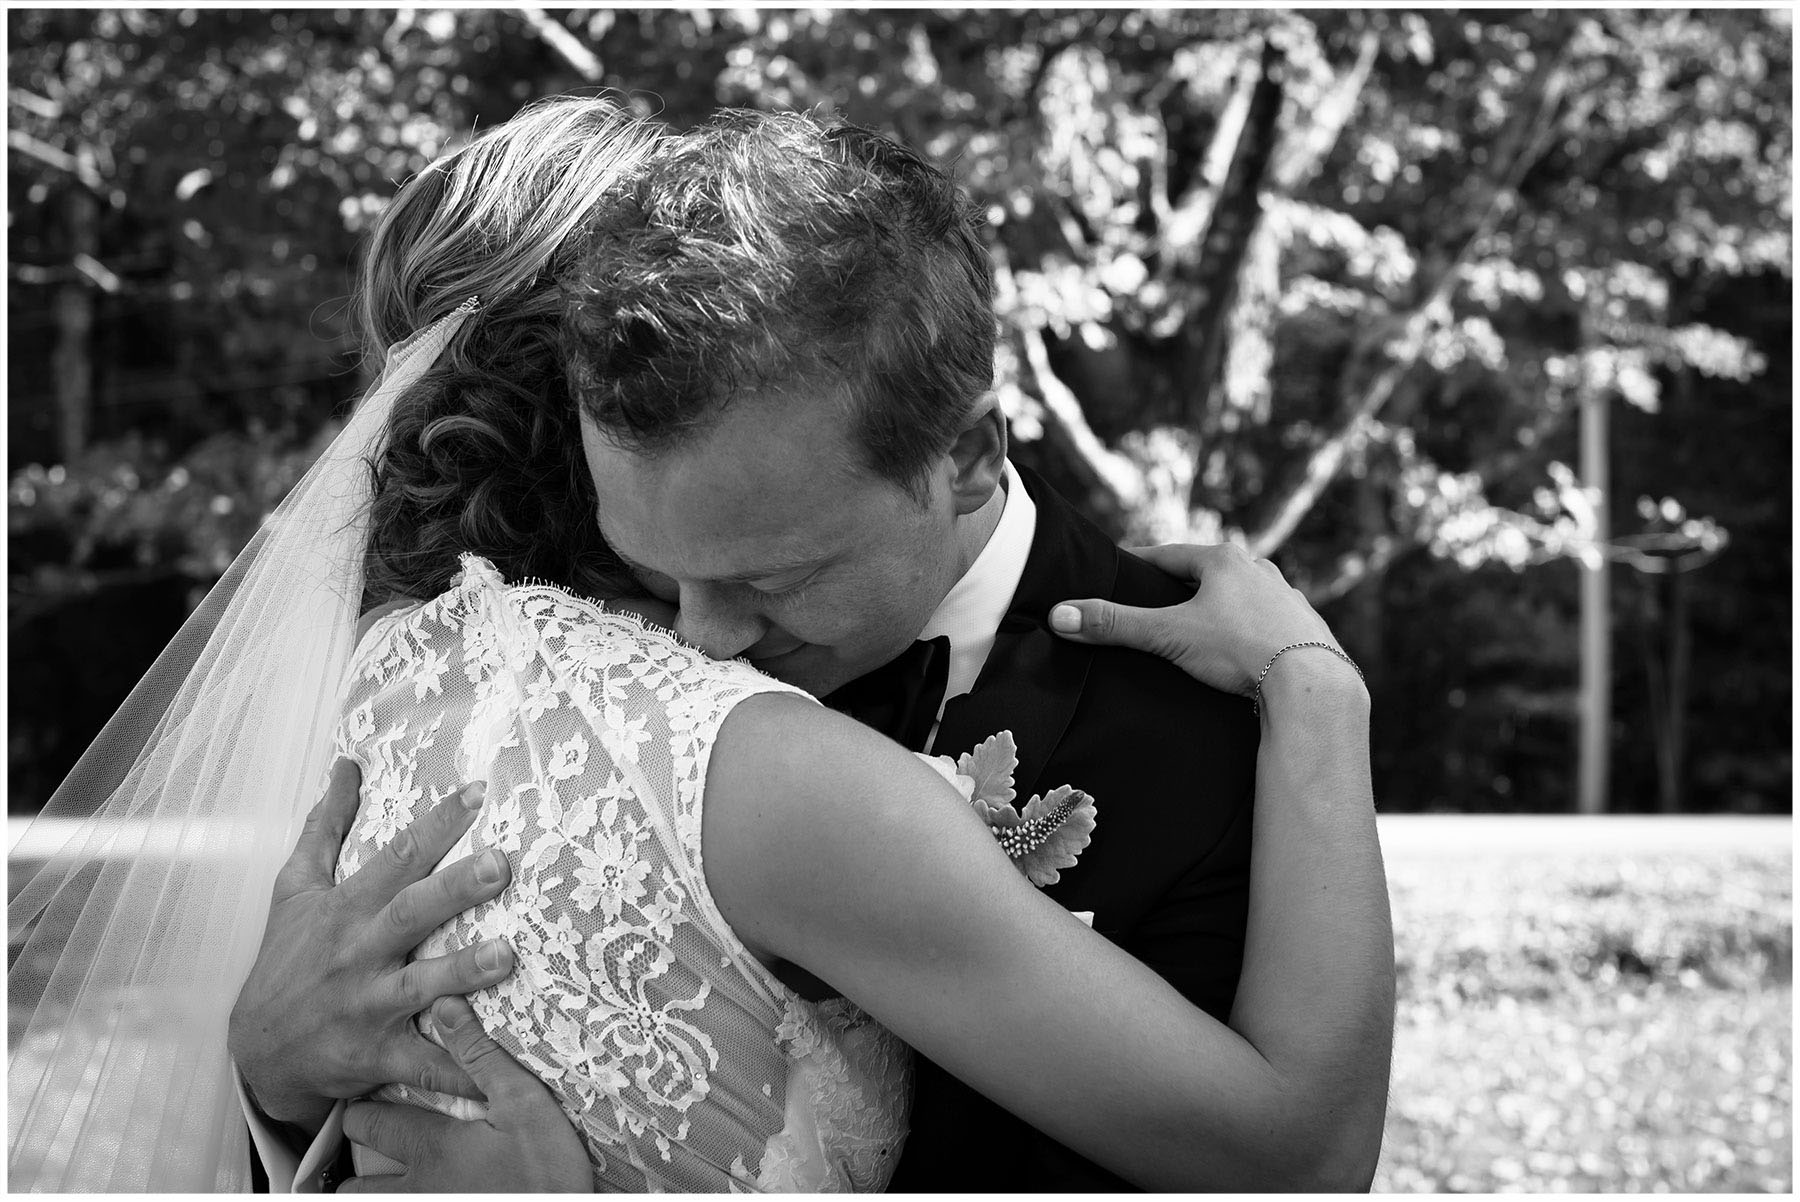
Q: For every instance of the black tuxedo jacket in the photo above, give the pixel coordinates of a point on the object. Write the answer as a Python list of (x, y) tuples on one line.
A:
[(1171, 765)]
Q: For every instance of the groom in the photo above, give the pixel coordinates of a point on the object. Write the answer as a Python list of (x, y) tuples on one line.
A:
[(783, 348)]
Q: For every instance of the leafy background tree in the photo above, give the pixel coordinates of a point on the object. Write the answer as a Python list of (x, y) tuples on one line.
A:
[(1344, 284), (1335, 283)]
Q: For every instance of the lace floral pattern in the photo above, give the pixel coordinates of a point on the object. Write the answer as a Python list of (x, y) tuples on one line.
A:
[(839, 1055), (684, 1063)]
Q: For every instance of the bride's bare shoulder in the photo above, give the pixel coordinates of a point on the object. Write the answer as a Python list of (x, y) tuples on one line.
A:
[(782, 757), (798, 800)]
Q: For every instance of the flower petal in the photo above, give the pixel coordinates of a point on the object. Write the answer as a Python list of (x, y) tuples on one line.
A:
[(945, 767), (991, 765), (995, 815), (1061, 840)]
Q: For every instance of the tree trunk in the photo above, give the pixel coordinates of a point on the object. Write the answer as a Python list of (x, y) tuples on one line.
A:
[(1236, 212), (72, 362), (1242, 386)]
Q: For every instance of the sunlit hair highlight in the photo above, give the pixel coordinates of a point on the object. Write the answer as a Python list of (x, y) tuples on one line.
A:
[(484, 456), (777, 252)]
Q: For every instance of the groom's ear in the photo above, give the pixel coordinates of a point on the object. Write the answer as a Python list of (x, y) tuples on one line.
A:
[(978, 456)]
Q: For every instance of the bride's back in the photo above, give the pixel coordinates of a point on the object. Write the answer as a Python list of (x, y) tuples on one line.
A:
[(683, 1061)]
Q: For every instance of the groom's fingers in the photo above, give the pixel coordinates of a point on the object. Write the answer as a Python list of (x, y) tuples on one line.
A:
[(416, 1061), (422, 906), (408, 1134), (415, 850), (313, 862), (422, 982), (496, 1074)]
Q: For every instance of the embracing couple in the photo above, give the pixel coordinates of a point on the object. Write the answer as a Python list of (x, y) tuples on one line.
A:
[(1070, 883)]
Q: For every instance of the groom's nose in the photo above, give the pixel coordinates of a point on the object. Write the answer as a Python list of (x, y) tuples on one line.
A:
[(717, 622)]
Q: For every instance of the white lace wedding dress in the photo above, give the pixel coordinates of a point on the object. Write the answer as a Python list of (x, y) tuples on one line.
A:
[(683, 1062)]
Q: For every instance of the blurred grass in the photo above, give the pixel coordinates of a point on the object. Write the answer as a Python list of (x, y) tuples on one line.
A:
[(1593, 1022), (1584, 1005)]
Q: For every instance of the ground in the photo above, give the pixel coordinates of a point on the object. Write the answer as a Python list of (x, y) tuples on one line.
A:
[(1591, 1005), (1585, 1005)]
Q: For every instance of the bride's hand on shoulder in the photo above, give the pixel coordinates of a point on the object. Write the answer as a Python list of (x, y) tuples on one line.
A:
[(1241, 614)]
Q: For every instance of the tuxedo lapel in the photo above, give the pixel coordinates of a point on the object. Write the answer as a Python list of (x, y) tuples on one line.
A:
[(1032, 680)]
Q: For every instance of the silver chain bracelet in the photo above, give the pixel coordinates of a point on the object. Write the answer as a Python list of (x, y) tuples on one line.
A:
[(1256, 699)]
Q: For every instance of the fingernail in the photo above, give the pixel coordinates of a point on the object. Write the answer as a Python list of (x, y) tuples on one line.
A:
[(1065, 618), (472, 795), (490, 867), (491, 957), (447, 1016)]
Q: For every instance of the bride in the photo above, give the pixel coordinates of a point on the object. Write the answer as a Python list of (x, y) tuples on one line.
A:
[(650, 929)]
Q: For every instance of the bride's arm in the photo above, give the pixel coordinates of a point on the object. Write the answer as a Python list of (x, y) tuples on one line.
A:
[(1314, 740), (828, 846)]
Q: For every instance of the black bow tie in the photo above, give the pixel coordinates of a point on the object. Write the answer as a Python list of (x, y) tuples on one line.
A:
[(902, 697)]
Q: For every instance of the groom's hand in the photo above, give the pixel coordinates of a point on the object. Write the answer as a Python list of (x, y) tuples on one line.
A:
[(525, 1144), (326, 1012)]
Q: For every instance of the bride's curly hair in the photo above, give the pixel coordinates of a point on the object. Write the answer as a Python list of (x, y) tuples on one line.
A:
[(484, 454)]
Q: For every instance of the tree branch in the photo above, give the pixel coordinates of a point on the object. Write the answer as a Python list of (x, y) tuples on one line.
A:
[(32, 102), (1112, 474), (1300, 158), (1183, 231), (1523, 145), (1356, 569), (567, 46), (1115, 480), (81, 166)]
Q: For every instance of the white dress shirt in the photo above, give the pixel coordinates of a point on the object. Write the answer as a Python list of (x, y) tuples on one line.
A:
[(970, 612)]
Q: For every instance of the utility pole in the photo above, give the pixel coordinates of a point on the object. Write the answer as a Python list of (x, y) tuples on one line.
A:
[(1595, 745)]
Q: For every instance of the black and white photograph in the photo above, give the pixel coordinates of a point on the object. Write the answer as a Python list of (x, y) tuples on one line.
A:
[(998, 600)]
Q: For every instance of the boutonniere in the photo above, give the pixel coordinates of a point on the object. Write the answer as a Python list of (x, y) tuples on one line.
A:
[(1054, 827)]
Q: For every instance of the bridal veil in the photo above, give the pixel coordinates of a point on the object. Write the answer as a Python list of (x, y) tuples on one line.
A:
[(137, 902)]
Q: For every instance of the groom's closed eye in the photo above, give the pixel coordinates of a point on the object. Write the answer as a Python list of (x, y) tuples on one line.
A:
[(781, 584), (786, 591), (788, 587)]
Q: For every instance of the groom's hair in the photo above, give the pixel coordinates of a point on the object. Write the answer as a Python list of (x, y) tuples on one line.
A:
[(768, 252)]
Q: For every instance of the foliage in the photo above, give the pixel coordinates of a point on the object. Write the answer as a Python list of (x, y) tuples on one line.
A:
[(1485, 211), (113, 550), (1332, 282), (1592, 1023), (125, 506)]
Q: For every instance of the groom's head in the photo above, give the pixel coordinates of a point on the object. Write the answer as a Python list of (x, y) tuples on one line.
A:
[(782, 345)]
